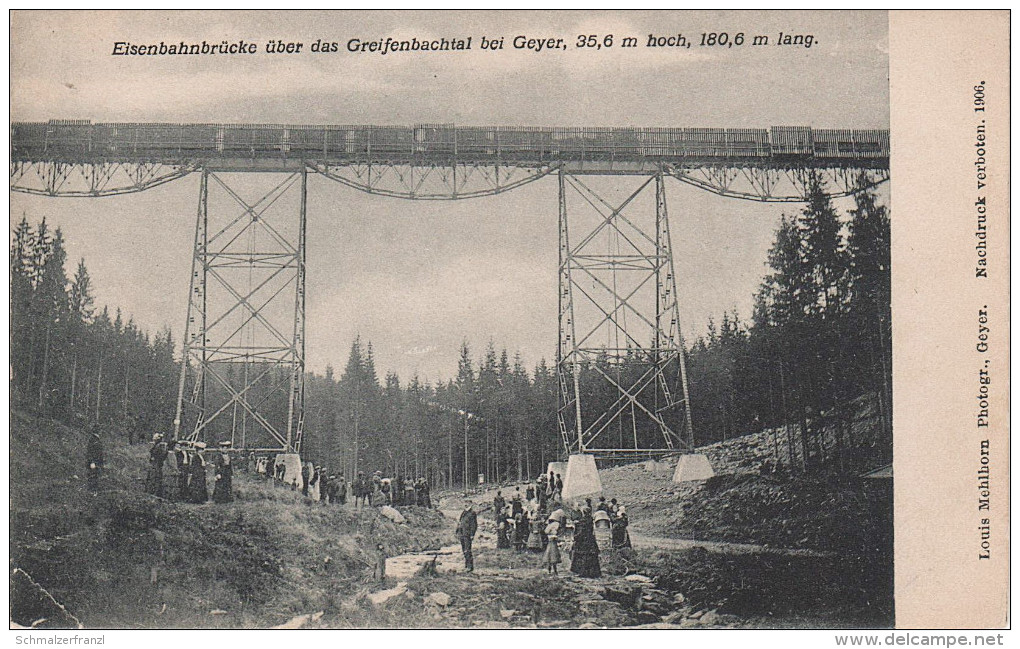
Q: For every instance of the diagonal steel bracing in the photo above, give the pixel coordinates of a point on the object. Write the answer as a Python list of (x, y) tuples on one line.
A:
[(618, 281), (244, 339)]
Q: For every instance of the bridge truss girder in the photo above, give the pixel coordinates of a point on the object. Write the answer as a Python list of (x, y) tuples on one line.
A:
[(449, 180), (94, 179)]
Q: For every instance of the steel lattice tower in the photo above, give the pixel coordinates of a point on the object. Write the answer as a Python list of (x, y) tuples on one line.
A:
[(616, 265), (246, 314)]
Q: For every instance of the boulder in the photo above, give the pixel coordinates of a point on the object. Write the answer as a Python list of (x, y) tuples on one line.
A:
[(392, 514), (380, 597), (438, 598), (623, 594)]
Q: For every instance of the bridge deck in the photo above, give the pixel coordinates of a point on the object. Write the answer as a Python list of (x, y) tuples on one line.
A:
[(267, 147)]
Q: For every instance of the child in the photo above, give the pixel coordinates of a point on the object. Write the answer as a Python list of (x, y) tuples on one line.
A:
[(552, 551), (380, 562)]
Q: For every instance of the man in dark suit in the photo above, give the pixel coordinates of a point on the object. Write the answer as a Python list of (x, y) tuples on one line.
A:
[(466, 528)]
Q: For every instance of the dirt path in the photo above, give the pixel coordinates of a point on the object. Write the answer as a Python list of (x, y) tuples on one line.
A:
[(725, 547)]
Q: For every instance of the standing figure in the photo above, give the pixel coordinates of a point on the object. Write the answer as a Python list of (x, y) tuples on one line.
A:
[(326, 487), (379, 571), (360, 490), (466, 528), (552, 551), (419, 494), (504, 527), (306, 476), (559, 487), (223, 486), (621, 537), (535, 535), (183, 469), (341, 490), (197, 491), (529, 494), (94, 459), (426, 499), (498, 505), (316, 486), (521, 531), (516, 505), (397, 495), (584, 561), (157, 456)]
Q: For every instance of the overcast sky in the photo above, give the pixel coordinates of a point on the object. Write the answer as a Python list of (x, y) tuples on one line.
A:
[(416, 278)]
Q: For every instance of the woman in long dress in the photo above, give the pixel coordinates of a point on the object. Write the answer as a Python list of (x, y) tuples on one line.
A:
[(552, 550), (584, 562), (197, 488), (621, 537), (535, 544), (521, 531), (504, 527)]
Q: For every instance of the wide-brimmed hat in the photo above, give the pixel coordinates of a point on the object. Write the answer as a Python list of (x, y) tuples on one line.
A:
[(226, 442), (200, 445)]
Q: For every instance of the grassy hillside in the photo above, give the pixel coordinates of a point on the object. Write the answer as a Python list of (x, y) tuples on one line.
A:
[(126, 559)]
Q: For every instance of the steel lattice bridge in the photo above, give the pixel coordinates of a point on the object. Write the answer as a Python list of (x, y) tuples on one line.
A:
[(619, 316)]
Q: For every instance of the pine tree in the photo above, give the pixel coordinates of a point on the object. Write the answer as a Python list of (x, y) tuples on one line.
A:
[(21, 259), (51, 302)]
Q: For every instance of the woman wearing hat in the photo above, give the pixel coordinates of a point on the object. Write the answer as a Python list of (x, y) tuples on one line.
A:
[(157, 457), (197, 491), (621, 537), (223, 488), (552, 551), (584, 561)]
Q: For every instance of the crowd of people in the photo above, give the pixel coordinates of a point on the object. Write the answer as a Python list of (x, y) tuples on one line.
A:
[(537, 521), (178, 470), (319, 484)]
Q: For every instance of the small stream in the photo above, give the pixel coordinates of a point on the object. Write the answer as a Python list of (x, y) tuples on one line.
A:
[(405, 566)]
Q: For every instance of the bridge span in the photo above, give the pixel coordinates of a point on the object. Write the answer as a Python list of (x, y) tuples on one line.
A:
[(441, 161)]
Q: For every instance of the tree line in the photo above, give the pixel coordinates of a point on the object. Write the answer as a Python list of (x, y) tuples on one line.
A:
[(495, 418), (813, 364), (75, 363), (810, 364)]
